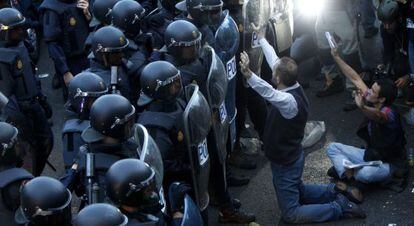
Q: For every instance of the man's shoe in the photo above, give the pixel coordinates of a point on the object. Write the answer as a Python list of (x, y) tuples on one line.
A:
[(335, 87), (332, 173), (233, 181), (242, 161), (350, 192), (235, 216), (371, 32), (56, 84), (349, 209)]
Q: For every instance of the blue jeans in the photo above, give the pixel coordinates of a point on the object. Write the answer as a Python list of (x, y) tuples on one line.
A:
[(300, 203), (338, 152)]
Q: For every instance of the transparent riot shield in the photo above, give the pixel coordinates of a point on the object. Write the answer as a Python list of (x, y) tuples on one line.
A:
[(256, 14), (149, 153), (197, 120), (216, 94)]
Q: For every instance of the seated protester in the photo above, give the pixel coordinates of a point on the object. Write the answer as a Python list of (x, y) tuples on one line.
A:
[(12, 177), (108, 140), (143, 205), (83, 90), (44, 201), (283, 133), (382, 131)]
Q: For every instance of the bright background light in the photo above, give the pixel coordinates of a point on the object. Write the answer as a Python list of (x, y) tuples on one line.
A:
[(310, 7)]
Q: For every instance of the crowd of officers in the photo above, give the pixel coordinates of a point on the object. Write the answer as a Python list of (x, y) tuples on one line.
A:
[(142, 81)]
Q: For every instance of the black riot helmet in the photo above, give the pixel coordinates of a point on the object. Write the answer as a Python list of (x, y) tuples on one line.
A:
[(131, 182), (388, 11), (83, 90), (203, 11), (107, 45), (127, 16), (12, 26), (8, 139), (100, 214), (183, 41), (111, 115), (160, 80), (101, 11), (44, 201)]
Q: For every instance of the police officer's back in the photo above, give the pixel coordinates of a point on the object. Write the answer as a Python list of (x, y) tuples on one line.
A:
[(108, 46), (108, 140), (83, 90), (11, 176), (127, 15)]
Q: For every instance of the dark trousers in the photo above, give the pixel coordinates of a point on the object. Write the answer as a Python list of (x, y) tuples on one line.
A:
[(34, 130)]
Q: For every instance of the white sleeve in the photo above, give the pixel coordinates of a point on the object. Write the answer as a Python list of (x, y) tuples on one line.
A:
[(285, 102), (269, 52)]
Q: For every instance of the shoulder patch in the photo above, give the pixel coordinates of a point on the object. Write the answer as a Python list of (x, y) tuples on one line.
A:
[(72, 21), (180, 136), (19, 64)]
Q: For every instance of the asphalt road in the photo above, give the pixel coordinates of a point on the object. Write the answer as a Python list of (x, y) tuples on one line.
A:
[(382, 206)]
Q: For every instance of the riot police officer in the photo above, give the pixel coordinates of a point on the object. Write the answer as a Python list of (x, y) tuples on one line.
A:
[(161, 87), (65, 29), (11, 176), (127, 15), (132, 187), (83, 90), (100, 214), (27, 109), (202, 13), (158, 20), (108, 46), (44, 201), (108, 140), (183, 41)]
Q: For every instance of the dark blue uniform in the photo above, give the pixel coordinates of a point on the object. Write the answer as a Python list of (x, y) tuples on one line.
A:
[(18, 83), (65, 29)]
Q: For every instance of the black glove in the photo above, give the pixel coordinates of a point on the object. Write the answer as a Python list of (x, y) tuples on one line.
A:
[(45, 105), (176, 195)]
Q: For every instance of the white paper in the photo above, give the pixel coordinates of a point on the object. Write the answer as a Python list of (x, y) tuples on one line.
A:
[(331, 40), (349, 165)]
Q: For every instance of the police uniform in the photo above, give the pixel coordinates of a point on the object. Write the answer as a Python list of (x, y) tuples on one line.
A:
[(10, 181), (105, 155), (124, 84), (65, 29), (164, 123), (19, 84), (71, 137)]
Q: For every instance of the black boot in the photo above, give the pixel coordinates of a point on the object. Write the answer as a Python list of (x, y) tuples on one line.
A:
[(228, 214)]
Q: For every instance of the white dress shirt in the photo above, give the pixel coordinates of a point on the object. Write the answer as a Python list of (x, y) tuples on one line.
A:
[(283, 101)]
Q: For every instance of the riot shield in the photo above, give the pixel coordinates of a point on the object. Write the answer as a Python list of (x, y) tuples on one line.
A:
[(197, 120), (192, 214), (279, 28), (226, 46), (149, 153), (216, 94), (255, 12), (227, 41)]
